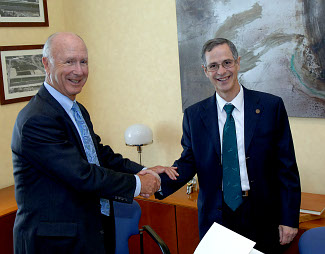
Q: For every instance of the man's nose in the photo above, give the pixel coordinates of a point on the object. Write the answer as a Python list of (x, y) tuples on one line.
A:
[(221, 70), (78, 69)]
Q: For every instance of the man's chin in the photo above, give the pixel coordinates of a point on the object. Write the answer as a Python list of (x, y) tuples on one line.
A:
[(73, 91)]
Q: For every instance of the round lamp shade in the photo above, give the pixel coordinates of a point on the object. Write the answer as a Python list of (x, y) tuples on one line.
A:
[(138, 134)]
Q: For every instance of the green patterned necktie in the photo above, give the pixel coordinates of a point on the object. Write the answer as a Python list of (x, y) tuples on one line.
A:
[(89, 149), (232, 191)]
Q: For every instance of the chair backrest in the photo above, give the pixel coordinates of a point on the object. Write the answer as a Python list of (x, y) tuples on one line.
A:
[(312, 241), (127, 218)]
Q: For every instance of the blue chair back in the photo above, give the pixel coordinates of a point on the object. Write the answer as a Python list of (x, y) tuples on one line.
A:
[(127, 217), (312, 241)]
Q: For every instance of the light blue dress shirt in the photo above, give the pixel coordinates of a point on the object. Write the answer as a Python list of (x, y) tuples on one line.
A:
[(67, 104)]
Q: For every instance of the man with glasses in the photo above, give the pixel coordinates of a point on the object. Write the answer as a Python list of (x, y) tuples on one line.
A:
[(239, 144)]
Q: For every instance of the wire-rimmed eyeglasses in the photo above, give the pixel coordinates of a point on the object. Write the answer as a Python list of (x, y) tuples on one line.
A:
[(225, 64)]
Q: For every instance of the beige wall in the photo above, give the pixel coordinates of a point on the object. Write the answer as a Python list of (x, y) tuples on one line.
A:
[(134, 78), (134, 73)]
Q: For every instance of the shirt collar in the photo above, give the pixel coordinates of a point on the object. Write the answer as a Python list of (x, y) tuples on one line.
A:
[(64, 101), (238, 101)]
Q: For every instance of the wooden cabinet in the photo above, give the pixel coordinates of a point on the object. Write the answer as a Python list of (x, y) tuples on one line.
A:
[(187, 229), (161, 217), (6, 237), (174, 219), (8, 208)]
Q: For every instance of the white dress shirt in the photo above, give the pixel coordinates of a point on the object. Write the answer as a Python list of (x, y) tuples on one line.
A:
[(238, 115)]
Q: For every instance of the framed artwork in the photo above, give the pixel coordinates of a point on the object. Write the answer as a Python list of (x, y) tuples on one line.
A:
[(21, 73), (23, 13)]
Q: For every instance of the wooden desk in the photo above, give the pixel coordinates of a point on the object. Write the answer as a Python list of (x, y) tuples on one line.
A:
[(8, 208), (179, 198), (7, 201)]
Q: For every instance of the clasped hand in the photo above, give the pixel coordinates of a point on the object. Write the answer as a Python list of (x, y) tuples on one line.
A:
[(287, 234), (150, 180)]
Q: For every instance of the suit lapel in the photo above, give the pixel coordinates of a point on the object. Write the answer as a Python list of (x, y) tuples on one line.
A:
[(209, 116), (253, 111), (52, 102)]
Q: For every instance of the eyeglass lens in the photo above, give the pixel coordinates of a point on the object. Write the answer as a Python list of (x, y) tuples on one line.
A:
[(225, 64)]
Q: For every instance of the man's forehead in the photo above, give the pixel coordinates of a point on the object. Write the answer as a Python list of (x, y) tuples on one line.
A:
[(70, 50), (68, 41), (218, 57), (223, 48)]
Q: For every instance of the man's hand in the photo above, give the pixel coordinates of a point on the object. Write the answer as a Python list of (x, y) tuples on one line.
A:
[(170, 171), (287, 234), (150, 182)]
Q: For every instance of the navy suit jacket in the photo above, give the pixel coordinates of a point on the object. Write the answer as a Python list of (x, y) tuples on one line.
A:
[(270, 159), (57, 190)]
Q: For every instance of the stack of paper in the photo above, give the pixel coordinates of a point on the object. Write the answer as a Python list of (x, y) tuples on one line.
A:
[(223, 240), (312, 203)]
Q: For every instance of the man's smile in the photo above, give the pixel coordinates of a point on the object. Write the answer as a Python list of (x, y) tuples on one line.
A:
[(224, 78)]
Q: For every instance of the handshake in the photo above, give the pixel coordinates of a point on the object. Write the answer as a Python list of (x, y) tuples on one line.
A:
[(150, 179)]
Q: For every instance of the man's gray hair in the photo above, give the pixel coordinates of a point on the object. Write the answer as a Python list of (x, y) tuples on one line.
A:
[(211, 44), (47, 47)]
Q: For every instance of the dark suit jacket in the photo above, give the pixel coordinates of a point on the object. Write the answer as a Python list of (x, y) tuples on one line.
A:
[(271, 164), (57, 190)]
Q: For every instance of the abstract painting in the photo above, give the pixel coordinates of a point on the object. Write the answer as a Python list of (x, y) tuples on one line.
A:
[(281, 44)]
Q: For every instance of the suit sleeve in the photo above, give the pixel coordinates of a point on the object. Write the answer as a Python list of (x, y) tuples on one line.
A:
[(106, 155), (115, 161), (290, 192), (49, 149), (185, 164)]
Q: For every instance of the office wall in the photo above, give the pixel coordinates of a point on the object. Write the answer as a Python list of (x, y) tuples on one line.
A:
[(134, 78), (134, 72)]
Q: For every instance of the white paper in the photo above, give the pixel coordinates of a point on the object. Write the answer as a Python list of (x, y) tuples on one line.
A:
[(255, 252), (223, 240)]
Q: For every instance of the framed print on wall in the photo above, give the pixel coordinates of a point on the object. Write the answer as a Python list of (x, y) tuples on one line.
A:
[(21, 73), (23, 13)]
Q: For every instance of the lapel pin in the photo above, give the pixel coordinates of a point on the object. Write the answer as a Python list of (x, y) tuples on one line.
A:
[(258, 111)]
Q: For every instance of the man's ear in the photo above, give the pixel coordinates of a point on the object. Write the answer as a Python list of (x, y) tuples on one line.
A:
[(46, 63), (205, 70), (238, 62)]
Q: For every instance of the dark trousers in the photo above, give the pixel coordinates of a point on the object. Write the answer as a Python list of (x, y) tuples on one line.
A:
[(243, 221), (109, 233)]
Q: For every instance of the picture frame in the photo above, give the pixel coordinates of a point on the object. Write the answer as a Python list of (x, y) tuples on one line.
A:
[(21, 72), (23, 13)]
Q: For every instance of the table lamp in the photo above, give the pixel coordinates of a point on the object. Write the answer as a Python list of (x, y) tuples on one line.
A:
[(138, 135)]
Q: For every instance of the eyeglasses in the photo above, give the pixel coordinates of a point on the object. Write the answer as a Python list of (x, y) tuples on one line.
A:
[(225, 64)]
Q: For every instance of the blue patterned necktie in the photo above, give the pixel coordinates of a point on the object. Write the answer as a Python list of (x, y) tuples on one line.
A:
[(232, 191), (89, 148)]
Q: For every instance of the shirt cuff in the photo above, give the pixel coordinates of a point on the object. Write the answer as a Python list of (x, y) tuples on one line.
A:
[(138, 186)]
